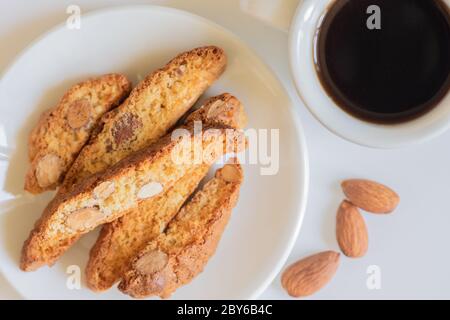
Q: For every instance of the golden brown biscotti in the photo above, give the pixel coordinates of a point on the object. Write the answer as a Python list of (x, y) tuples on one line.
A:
[(108, 195), (61, 132), (179, 254), (224, 110), (152, 108), (122, 239)]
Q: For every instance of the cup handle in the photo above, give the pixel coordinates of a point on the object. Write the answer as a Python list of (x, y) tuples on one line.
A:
[(277, 13)]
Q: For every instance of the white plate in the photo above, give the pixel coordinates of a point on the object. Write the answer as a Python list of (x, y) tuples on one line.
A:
[(135, 40)]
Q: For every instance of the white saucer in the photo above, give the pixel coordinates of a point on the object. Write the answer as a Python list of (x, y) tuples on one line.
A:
[(135, 40)]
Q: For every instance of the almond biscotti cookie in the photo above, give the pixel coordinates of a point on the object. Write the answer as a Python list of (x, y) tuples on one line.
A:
[(152, 108), (121, 240), (178, 255), (61, 132), (107, 196), (224, 110)]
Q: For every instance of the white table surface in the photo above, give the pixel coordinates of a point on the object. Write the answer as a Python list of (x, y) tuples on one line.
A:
[(410, 247)]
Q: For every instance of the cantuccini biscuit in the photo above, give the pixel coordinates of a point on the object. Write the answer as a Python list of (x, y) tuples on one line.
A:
[(61, 132), (178, 255)]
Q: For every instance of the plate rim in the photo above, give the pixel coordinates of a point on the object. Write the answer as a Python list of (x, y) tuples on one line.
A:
[(303, 160)]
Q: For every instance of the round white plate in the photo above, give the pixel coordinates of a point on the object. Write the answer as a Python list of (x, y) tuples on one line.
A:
[(135, 40)]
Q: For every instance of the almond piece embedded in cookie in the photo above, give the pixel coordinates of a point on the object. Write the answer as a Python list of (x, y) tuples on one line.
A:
[(84, 218), (180, 71), (125, 127), (231, 173), (152, 262), (218, 108), (104, 190), (149, 190), (79, 113), (48, 170), (351, 230), (228, 112), (370, 195)]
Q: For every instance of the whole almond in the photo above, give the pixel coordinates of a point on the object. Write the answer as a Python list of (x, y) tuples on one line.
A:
[(309, 275), (351, 231), (370, 196)]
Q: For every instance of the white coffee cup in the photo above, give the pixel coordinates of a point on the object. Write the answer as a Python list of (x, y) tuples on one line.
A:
[(301, 19)]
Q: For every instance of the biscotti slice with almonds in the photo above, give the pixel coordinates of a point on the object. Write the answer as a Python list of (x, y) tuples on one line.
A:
[(152, 108), (120, 240), (178, 255), (108, 195), (62, 131), (223, 110)]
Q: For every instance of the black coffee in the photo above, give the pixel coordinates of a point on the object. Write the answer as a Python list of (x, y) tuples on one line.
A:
[(385, 66)]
